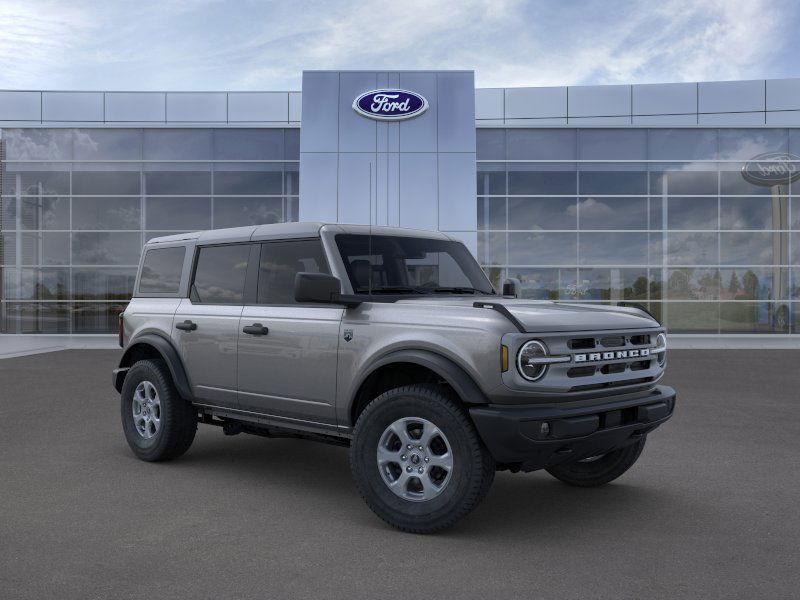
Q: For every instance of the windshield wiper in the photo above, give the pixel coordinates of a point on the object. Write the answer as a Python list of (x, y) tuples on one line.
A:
[(460, 290), (391, 289)]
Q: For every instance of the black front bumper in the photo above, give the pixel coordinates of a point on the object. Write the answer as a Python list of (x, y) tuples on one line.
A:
[(533, 437)]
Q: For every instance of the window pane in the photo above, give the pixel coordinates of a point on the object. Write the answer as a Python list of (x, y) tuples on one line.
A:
[(220, 273), (38, 144), (542, 248), (608, 144), (754, 283), (118, 183), (177, 182), (546, 284), (746, 317), (523, 182), (492, 248), (107, 144), (48, 248), (36, 183), (542, 213), (684, 183), (178, 144), (754, 213), (490, 144), (100, 248), (106, 213), (733, 182), (280, 262), (161, 271), (179, 214), (613, 182), (491, 179), (251, 183), (693, 284), (692, 248), (45, 213), (34, 317), (291, 178), (236, 212), (746, 144), (291, 141), (612, 213), (103, 284), (541, 144), (692, 213), (682, 144), (613, 249), (96, 318), (491, 213), (613, 284), (692, 317), (749, 248), (248, 144), (36, 284)]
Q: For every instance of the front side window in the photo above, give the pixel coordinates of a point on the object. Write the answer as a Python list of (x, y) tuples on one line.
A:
[(161, 271), (220, 274), (281, 262), (406, 265)]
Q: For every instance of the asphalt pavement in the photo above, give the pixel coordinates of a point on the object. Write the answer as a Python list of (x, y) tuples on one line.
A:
[(709, 511)]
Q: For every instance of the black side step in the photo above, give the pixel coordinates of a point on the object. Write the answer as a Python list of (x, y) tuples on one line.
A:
[(501, 308)]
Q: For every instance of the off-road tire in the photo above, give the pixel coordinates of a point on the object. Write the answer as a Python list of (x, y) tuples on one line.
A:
[(473, 466), (602, 470), (178, 418)]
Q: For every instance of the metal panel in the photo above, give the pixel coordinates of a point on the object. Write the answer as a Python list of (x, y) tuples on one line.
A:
[(295, 100), (665, 120), (197, 107), (664, 98), (356, 203), (72, 106), (320, 130), (418, 191), (419, 134), (393, 189), (536, 103), (20, 106), (356, 133), (730, 96), (492, 122), (784, 118), (732, 119), (258, 106), (489, 103), (783, 94), (537, 122), (136, 107), (318, 182), (601, 121), (456, 111), (458, 208), (599, 101)]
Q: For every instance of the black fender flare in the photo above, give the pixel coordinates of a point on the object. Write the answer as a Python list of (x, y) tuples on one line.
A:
[(461, 382), (168, 353)]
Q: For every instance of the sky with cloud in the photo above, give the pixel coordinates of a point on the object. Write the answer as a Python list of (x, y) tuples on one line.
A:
[(260, 45)]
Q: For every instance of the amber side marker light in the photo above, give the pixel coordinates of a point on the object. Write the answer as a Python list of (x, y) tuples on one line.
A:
[(504, 357)]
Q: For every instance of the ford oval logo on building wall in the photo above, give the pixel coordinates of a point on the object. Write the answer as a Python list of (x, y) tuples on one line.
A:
[(390, 105), (772, 168)]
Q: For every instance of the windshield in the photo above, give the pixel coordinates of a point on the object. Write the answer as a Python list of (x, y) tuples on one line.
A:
[(382, 264)]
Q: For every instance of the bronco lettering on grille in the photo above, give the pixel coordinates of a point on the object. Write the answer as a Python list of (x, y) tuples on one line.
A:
[(616, 355)]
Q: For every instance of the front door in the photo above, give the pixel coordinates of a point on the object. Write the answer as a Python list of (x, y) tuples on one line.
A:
[(288, 351), (206, 325)]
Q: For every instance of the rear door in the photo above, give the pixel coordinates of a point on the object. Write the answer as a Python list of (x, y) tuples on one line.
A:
[(288, 351), (206, 325)]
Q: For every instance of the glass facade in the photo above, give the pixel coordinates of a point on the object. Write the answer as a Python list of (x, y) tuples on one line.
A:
[(78, 204), (661, 217)]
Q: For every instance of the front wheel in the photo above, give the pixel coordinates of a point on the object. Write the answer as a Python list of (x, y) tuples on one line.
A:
[(418, 461), (601, 469)]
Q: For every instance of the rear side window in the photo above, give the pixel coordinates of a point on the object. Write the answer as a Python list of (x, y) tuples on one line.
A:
[(220, 274), (161, 271), (280, 262)]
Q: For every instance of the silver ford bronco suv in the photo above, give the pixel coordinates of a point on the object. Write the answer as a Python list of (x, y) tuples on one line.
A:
[(392, 342)]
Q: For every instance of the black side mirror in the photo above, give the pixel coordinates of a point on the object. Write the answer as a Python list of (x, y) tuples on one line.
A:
[(316, 287), (511, 287)]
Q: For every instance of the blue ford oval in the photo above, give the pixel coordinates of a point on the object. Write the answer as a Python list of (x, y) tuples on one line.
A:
[(390, 105)]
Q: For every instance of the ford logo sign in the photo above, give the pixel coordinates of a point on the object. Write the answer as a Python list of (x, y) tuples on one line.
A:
[(772, 168), (390, 105)]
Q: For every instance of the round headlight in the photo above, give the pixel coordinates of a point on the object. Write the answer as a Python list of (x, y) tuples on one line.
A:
[(661, 348), (527, 360)]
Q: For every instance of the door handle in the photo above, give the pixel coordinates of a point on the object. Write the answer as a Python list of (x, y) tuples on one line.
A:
[(255, 329), (187, 325)]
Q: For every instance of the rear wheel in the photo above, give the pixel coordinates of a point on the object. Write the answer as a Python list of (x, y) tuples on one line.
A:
[(601, 469), (417, 459), (158, 423)]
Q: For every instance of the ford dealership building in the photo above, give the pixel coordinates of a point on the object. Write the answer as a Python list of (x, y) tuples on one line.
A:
[(682, 197)]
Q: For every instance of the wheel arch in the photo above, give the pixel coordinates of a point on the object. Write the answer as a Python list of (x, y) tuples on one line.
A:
[(407, 366), (152, 345)]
